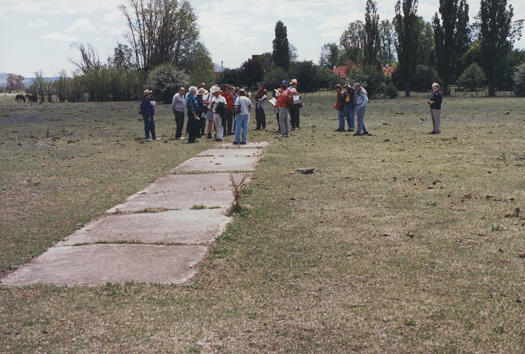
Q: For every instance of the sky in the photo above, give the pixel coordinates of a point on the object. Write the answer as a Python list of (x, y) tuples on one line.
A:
[(37, 35)]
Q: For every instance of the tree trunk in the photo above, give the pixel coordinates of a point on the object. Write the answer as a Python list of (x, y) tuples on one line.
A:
[(407, 92), (492, 91)]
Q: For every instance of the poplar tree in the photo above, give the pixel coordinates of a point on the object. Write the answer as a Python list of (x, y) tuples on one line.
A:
[(281, 47), (406, 26), (451, 37), (371, 33), (495, 38)]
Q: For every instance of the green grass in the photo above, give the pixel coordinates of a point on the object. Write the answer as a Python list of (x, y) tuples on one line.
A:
[(398, 242)]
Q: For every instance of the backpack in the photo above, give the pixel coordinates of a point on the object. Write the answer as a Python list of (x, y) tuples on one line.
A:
[(289, 101)]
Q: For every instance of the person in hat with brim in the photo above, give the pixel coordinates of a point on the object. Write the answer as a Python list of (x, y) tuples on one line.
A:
[(147, 109), (201, 108), (260, 101)]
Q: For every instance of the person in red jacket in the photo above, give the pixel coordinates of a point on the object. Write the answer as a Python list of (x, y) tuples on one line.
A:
[(340, 108), (228, 115), (284, 102)]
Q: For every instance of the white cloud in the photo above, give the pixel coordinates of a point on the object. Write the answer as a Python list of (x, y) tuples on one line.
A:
[(38, 23), (59, 37), (81, 25)]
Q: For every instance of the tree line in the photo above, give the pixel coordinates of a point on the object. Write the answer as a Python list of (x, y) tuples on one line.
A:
[(163, 51)]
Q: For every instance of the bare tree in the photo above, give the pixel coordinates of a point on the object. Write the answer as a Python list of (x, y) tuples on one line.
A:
[(89, 58)]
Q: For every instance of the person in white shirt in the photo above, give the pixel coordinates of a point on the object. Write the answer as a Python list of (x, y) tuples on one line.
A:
[(177, 106), (294, 110), (216, 100), (243, 106)]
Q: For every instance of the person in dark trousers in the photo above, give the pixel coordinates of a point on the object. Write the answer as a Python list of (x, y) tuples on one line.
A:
[(435, 101), (295, 109), (260, 101), (201, 110), (349, 107), (177, 106), (193, 117), (228, 115), (147, 109)]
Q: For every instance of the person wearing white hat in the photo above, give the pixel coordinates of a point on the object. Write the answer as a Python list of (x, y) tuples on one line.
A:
[(147, 109), (216, 101), (201, 108), (295, 109)]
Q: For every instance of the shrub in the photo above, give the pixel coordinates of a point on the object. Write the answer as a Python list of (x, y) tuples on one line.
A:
[(519, 81), (164, 80), (274, 77), (472, 78), (425, 77), (371, 78), (390, 90)]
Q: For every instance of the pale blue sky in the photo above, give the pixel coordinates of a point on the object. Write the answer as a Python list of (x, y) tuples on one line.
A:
[(37, 34)]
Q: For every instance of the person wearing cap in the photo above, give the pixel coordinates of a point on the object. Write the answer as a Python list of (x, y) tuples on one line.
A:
[(294, 110), (339, 108), (260, 101), (361, 101), (228, 115), (349, 107), (435, 101), (177, 106), (201, 110), (193, 115), (216, 100), (243, 106), (147, 109)]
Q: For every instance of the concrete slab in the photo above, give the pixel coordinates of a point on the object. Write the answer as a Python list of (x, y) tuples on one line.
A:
[(218, 164), (177, 227), (249, 145), (182, 192), (232, 152), (115, 263)]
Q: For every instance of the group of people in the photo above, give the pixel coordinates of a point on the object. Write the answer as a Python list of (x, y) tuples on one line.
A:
[(227, 111), (222, 112), (352, 101)]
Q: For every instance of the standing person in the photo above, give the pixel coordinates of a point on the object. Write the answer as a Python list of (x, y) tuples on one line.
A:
[(147, 109), (177, 106), (216, 101), (260, 101), (435, 101), (228, 115), (244, 107), (349, 107), (340, 108), (209, 112), (201, 109), (284, 102), (293, 84), (193, 115), (361, 101), (295, 110)]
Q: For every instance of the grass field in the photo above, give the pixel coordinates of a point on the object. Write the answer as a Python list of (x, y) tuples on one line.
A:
[(398, 242)]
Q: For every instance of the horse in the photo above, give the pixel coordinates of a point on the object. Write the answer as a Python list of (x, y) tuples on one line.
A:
[(31, 98), (19, 98)]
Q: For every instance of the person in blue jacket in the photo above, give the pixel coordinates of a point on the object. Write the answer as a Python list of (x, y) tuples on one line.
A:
[(193, 115), (147, 109)]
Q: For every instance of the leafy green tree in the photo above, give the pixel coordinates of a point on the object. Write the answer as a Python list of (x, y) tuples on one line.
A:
[(495, 38), (266, 60), (371, 78), (38, 87), (274, 77), (472, 78), (200, 65), (406, 26), (306, 73), (451, 37), (164, 80), (281, 47), (161, 31), (251, 72), (330, 54), (371, 47), (519, 81), (353, 41)]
